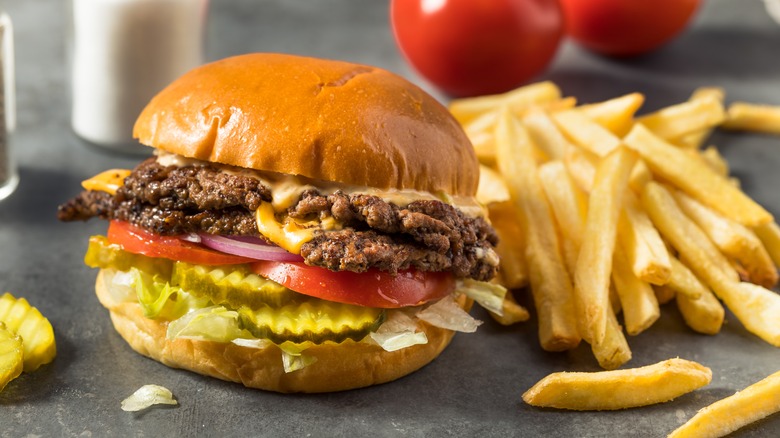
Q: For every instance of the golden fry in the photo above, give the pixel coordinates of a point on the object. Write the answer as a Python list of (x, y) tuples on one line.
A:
[(769, 234), (581, 165), (733, 239), (684, 282), (545, 134), (513, 312), (640, 175), (756, 307), (616, 115), (750, 117), (704, 314), (550, 281), (492, 188), (467, 109), (695, 178), (621, 389), (753, 403), (613, 351), (715, 160), (663, 294), (696, 139), (685, 118), (586, 133), (646, 251), (594, 262), (511, 245), (640, 306)]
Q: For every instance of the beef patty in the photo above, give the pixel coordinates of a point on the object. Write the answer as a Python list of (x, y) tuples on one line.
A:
[(426, 235)]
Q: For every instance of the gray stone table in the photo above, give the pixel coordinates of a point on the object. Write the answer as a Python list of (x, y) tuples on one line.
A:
[(474, 387)]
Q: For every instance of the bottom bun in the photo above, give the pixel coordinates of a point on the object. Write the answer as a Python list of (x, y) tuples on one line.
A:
[(338, 367)]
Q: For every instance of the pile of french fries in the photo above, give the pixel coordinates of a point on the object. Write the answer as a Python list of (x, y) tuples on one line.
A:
[(607, 215)]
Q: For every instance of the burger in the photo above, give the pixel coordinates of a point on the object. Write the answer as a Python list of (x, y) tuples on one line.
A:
[(304, 225)]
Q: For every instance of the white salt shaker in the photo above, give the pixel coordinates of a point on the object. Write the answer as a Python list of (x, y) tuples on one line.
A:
[(9, 178), (124, 52)]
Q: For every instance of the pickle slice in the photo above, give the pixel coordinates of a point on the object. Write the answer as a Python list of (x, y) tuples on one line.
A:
[(234, 286), (314, 321), (36, 331), (11, 356), (103, 254)]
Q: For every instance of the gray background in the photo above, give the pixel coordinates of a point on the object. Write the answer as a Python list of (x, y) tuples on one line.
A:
[(474, 387)]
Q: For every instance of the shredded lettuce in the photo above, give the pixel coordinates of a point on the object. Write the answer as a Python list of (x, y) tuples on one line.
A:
[(214, 323), (119, 285), (397, 332), (447, 314), (488, 295), (293, 358), (159, 299), (147, 396)]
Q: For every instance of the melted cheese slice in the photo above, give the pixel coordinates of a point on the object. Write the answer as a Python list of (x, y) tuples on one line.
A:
[(289, 234), (108, 181)]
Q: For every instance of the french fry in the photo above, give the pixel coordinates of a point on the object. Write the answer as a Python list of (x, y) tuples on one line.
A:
[(569, 205), (715, 160), (695, 178), (491, 188), (685, 118), (640, 175), (616, 115), (696, 139), (684, 282), (643, 246), (511, 245), (621, 389), (586, 133), (613, 351), (640, 306), (480, 131), (750, 117), (545, 133), (467, 109), (663, 294), (723, 417), (550, 281), (733, 239), (756, 307), (513, 312), (704, 314), (770, 237), (594, 262), (581, 165)]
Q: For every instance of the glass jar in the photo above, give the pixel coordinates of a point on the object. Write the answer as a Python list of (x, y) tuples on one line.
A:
[(123, 52), (9, 178)]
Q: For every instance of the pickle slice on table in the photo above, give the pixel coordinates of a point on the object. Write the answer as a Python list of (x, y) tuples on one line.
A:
[(234, 286), (103, 254), (36, 331), (314, 321), (11, 356)]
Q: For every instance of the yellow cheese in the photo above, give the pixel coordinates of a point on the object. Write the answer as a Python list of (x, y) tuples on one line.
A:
[(108, 181), (288, 235)]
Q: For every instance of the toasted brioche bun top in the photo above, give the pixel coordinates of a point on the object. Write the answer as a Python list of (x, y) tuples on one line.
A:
[(322, 119)]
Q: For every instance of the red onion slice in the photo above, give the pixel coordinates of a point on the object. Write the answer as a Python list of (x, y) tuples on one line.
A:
[(248, 246)]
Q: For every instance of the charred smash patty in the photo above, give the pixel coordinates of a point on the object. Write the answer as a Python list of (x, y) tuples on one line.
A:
[(428, 235)]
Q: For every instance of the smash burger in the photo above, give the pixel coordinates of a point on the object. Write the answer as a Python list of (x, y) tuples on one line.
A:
[(304, 225)]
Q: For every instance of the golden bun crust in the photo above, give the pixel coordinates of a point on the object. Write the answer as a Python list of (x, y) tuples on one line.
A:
[(322, 119), (338, 367)]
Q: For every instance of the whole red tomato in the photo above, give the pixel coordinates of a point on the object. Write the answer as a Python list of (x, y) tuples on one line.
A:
[(474, 47), (626, 27)]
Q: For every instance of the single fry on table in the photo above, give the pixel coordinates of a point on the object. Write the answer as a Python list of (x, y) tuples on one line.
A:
[(725, 416), (751, 117), (620, 389)]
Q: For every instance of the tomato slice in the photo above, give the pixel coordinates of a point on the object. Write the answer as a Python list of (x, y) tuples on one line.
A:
[(371, 289), (139, 241)]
